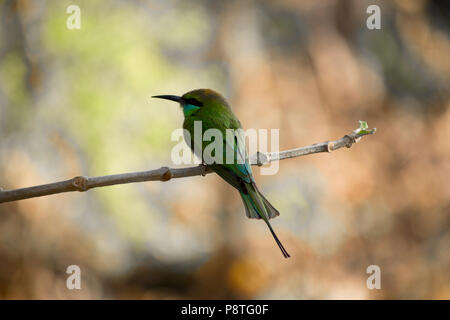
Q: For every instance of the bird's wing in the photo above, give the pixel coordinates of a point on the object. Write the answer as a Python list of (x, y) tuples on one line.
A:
[(236, 146), (241, 155), (239, 170)]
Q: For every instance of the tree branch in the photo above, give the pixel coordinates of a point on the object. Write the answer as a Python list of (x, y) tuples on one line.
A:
[(81, 183)]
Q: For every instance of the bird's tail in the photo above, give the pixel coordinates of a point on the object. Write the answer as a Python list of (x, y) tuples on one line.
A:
[(257, 207)]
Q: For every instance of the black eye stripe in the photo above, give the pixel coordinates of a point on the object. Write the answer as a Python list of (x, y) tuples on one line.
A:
[(193, 101)]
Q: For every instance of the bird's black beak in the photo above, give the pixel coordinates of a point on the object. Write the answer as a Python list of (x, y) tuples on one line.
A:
[(169, 97)]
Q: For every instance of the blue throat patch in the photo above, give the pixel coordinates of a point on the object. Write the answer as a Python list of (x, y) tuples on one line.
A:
[(188, 109)]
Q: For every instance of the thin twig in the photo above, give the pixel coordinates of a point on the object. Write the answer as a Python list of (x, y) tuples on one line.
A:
[(81, 183)]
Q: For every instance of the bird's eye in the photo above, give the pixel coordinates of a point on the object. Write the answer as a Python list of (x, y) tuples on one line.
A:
[(193, 101)]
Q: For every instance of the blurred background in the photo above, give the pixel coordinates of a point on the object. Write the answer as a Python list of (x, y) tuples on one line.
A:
[(77, 102)]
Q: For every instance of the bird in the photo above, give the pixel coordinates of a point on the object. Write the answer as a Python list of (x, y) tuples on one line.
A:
[(214, 112)]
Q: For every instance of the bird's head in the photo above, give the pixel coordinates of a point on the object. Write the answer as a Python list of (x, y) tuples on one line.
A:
[(194, 100)]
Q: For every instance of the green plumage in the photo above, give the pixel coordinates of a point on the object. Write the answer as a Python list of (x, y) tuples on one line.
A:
[(214, 112)]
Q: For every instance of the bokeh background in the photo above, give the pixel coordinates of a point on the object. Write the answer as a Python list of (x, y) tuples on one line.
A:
[(78, 102)]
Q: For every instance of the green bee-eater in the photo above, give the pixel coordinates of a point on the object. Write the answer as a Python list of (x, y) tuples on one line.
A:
[(214, 112)]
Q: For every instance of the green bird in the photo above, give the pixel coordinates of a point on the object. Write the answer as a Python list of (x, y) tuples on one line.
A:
[(214, 112)]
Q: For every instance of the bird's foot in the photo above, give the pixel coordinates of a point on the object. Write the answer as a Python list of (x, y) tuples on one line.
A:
[(204, 168)]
